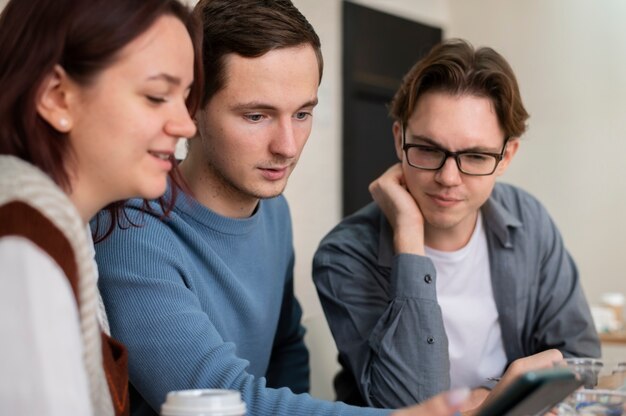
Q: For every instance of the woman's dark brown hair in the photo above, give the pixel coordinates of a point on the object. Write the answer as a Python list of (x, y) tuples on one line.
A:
[(454, 67), (83, 37)]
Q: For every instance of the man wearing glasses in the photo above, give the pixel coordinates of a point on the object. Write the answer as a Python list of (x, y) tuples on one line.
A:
[(448, 276)]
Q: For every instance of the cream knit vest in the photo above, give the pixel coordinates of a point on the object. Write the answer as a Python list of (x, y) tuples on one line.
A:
[(21, 181)]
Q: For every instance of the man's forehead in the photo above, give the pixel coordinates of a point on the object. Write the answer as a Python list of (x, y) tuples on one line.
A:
[(281, 77), (232, 61)]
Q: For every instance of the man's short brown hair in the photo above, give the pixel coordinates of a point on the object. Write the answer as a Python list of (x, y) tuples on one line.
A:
[(249, 28)]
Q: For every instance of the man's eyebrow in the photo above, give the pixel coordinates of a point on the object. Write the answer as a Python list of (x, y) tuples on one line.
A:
[(311, 103), (260, 105), (253, 105), (423, 138), (433, 143)]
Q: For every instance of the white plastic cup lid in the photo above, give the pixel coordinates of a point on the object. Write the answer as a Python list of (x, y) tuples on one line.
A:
[(203, 402)]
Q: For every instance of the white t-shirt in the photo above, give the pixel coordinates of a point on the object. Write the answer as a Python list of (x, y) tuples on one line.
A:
[(469, 312), (41, 355)]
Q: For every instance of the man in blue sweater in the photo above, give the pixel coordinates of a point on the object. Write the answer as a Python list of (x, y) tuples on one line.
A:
[(204, 298)]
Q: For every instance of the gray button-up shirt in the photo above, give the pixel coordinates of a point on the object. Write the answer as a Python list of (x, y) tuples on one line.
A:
[(383, 311)]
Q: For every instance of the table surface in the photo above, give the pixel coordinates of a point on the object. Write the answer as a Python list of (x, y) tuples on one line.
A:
[(613, 337)]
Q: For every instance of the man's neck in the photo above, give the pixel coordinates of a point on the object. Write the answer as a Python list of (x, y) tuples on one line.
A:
[(450, 239), (214, 193)]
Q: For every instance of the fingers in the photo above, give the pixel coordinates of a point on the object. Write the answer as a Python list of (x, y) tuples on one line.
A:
[(391, 178), (475, 399), (401, 210), (446, 404), (394, 199), (544, 359)]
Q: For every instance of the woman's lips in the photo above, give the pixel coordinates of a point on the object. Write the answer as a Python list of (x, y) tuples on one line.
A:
[(164, 158)]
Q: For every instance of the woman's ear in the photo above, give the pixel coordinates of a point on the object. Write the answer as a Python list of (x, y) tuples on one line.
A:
[(52, 100)]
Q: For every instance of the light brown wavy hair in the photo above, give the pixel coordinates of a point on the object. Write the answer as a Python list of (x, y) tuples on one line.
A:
[(456, 68)]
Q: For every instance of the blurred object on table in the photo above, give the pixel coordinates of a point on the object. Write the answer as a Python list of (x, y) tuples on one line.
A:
[(617, 337), (594, 402), (615, 302), (605, 320), (597, 373), (588, 369)]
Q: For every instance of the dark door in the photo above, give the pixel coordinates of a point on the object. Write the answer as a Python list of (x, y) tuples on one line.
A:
[(378, 49)]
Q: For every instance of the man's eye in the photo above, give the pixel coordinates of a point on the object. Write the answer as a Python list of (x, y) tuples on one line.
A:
[(476, 157), (302, 115), (428, 150), (254, 117)]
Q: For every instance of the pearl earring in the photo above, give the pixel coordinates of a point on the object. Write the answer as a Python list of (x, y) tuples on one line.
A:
[(64, 123)]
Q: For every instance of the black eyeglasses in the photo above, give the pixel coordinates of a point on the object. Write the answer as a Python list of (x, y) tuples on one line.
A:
[(433, 158)]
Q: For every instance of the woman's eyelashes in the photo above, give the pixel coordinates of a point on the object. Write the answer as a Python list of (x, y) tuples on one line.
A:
[(156, 99)]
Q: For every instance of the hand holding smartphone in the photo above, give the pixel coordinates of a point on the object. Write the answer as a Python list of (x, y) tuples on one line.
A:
[(533, 393)]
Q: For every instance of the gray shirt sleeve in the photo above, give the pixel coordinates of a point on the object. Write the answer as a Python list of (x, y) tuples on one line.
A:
[(386, 321)]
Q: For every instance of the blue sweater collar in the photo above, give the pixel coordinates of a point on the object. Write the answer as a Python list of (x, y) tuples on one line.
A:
[(191, 208)]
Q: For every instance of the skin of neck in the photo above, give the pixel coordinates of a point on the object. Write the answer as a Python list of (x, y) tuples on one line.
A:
[(212, 192), (83, 209), (449, 239), (86, 201)]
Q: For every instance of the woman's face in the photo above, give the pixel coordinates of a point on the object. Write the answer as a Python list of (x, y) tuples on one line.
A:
[(126, 123)]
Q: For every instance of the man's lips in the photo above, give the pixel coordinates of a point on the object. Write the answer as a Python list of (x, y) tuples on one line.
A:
[(445, 200), (274, 173)]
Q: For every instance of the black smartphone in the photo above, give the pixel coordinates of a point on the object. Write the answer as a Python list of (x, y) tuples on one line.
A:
[(533, 393)]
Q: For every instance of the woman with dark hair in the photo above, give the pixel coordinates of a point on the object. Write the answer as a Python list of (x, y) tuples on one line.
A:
[(95, 95)]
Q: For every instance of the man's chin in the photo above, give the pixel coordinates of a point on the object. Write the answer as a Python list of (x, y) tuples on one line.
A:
[(269, 193), (440, 221)]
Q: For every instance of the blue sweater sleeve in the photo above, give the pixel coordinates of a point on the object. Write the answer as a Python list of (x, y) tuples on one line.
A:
[(173, 344)]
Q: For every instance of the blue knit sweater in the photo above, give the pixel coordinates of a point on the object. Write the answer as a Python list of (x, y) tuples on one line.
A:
[(205, 301)]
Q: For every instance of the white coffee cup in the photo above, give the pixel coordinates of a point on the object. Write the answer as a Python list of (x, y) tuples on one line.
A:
[(207, 402)]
